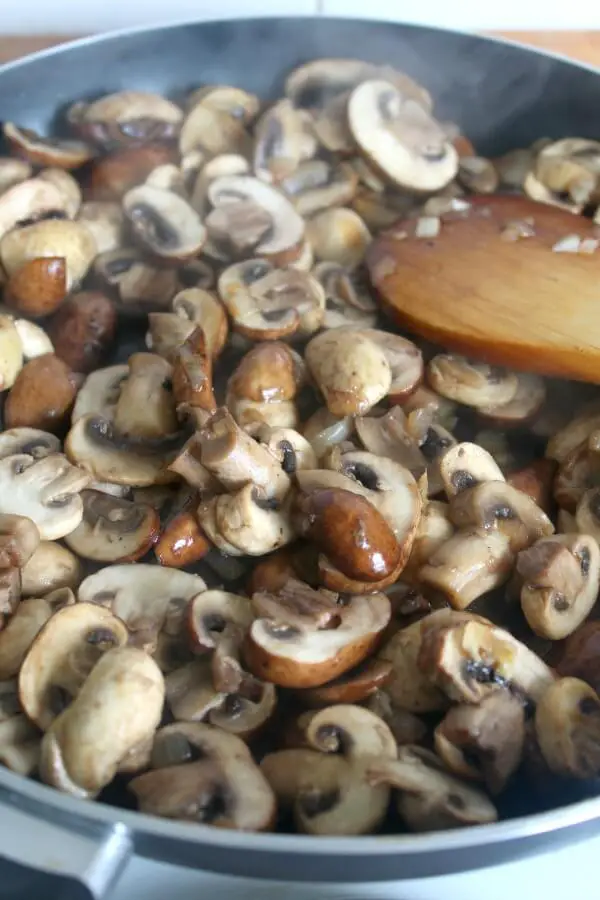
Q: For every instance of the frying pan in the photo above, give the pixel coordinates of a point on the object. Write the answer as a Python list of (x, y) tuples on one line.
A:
[(503, 96)]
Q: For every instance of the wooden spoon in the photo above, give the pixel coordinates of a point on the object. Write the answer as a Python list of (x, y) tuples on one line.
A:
[(517, 302)]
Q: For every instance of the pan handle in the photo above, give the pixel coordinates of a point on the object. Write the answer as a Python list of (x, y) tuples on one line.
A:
[(41, 858)]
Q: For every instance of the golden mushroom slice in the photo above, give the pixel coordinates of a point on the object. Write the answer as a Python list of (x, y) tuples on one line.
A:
[(191, 307), (471, 383), (351, 370), (318, 185), (567, 728), (62, 655), (430, 798), (50, 238), (400, 138), (50, 568), (164, 222), (348, 298), (111, 721), (465, 465), (471, 658), (46, 491), (524, 406), (190, 691), (245, 714), (204, 775), (339, 236), (27, 202), (209, 614), (213, 131), (484, 742), (561, 580), (113, 529), (289, 447), (127, 117), (100, 393), (18, 634), (145, 408), (141, 286), (262, 390), (248, 522)]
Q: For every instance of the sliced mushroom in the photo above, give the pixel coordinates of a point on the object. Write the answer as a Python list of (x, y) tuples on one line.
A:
[(317, 185), (264, 386), (561, 580), (347, 299), (526, 403), (408, 687), (145, 408), (29, 201), (34, 340), (50, 238), (351, 370), (471, 658), (164, 222), (202, 774), (115, 173), (484, 742), (100, 393), (466, 465), (283, 139), (234, 101), (19, 539), (399, 137), (406, 727), (282, 243), (47, 491), (141, 595), (190, 692), (405, 361), (430, 798), (106, 221), (290, 449), (353, 686), (42, 396), (62, 655), (236, 459), (38, 287), (24, 625), (570, 168), (128, 117), (267, 303), (470, 383), (68, 186), (309, 656), (210, 612), (32, 441), (191, 307), (244, 715), (83, 330), (567, 728), (113, 529), (213, 131), (498, 505), (11, 352), (576, 432), (249, 522), (52, 567), (339, 236), (140, 286), (434, 529), (116, 712)]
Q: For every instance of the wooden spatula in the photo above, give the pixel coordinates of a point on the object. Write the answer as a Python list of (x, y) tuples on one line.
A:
[(485, 289)]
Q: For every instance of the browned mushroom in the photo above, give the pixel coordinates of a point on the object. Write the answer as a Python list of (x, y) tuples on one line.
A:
[(42, 395)]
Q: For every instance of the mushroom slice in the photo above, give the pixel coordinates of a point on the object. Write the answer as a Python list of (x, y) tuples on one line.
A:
[(471, 658), (350, 369), (354, 686), (190, 692), (62, 656), (19, 745), (526, 403), (13, 172), (567, 728), (324, 430), (145, 408), (29, 201), (201, 307), (339, 236), (50, 238), (50, 568), (267, 304), (466, 465), (248, 522), (301, 657), (113, 529), (141, 595), (348, 300), (99, 449), (538, 191), (213, 131), (164, 222), (317, 185), (405, 361), (128, 118), (106, 221), (471, 383), (202, 774), (11, 352), (577, 432), (484, 742), (469, 564), (34, 340), (408, 687), (19, 539), (100, 393), (210, 612), (140, 286), (570, 168), (283, 138), (430, 798), (29, 617), (561, 580), (264, 386), (236, 459), (68, 186), (434, 529), (356, 732), (113, 717), (406, 727), (234, 101), (244, 716), (496, 504), (399, 137), (290, 449), (46, 490), (282, 243)]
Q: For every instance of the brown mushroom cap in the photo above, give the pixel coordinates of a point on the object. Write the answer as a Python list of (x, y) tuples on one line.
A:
[(202, 774), (115, 714), (470, 383), (567, 728), (62, 656), (430, 798), (42, 396)]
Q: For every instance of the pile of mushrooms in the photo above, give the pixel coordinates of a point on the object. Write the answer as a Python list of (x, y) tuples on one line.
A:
[(265, 562)]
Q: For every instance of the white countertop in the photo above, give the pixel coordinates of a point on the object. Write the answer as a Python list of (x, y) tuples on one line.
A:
[(73, 16)]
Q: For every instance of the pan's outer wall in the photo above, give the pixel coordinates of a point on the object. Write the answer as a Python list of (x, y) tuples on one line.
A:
[(502, 96)]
